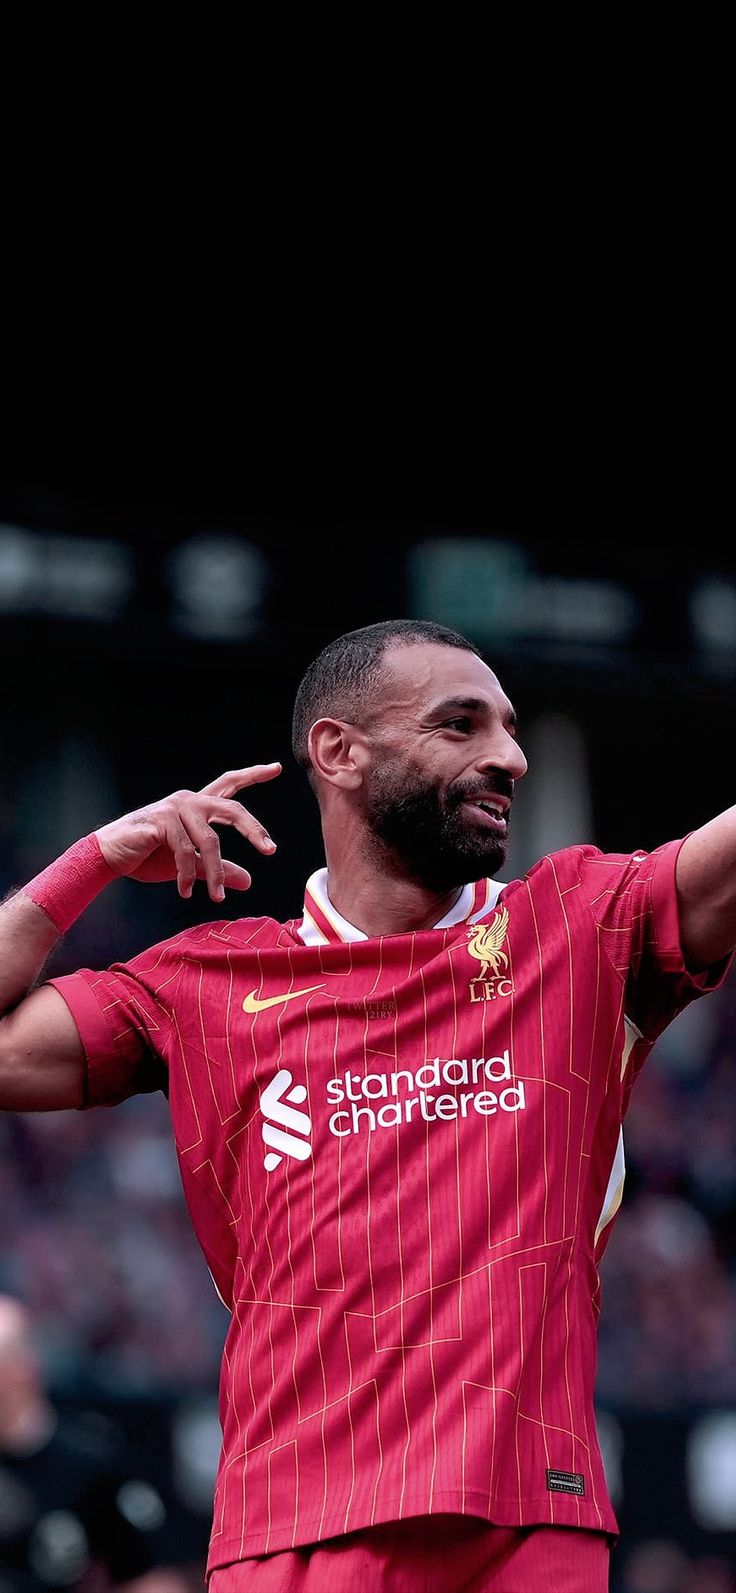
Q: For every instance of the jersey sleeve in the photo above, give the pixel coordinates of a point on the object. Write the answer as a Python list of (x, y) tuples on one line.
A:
[(634, 902), (124, 1015)]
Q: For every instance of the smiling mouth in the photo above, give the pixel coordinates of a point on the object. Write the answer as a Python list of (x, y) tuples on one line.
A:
[(490, 814)]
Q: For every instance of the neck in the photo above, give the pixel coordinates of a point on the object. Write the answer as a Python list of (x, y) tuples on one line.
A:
[(380, 900)]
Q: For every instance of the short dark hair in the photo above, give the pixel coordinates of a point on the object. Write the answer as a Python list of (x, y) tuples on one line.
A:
[(343, 676)]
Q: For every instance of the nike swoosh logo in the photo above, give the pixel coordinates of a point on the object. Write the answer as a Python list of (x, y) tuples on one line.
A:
[(252, 1003)]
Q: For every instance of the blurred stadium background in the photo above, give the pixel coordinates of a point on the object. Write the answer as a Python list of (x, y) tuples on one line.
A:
[(151, 640)]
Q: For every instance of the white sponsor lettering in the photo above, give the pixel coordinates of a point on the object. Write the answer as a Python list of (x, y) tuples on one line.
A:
[(459, 1070), (407, 1096), (350, 1089)]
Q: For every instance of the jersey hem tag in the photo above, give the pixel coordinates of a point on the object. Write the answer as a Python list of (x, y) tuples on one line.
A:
[(566, 1482)]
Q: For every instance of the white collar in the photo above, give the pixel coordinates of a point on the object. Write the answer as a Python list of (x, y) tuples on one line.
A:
[(323, 925)]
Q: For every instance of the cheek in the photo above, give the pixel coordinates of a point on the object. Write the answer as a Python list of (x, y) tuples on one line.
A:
[(387, 777), (392, 759), (459, 771)]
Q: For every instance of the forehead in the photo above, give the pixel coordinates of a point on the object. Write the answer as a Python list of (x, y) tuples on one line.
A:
[(417, 675)]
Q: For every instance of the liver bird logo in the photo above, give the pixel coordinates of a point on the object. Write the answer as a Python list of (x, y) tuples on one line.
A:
[(486, 941)]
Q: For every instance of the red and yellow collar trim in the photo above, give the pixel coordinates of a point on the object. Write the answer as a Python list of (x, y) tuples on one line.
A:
[(322, 925)]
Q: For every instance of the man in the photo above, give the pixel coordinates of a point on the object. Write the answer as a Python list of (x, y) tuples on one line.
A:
[(65, 1483), (398, 1123)]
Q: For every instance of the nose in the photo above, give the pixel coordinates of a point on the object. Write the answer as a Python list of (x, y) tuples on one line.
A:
[(503, 752)]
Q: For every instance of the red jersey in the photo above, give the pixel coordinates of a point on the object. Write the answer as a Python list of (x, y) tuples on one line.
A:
[(402, 1156)]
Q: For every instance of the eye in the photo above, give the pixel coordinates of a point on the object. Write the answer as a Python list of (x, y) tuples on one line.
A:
[(461, 723)]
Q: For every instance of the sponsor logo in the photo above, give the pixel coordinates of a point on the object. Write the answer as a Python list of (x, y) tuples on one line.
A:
[(275, 1110), (254, 1003), (408, 1095), (485, 943), (435, 1092)]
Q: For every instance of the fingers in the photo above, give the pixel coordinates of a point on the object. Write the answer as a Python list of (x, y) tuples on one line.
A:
[(222, 811), (235, 877), (196, 846), (196, 852), (207, 844), (184, 854), (238, 779)]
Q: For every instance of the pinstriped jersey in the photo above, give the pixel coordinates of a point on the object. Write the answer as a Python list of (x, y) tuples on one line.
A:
[(402, 1156)]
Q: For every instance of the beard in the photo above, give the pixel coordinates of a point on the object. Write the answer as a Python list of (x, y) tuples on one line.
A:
[(429, 837)]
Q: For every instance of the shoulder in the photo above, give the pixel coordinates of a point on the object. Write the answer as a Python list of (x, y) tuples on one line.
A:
[(568, 865), (593, 872), (580, 860), (618, 888), (209, 942)]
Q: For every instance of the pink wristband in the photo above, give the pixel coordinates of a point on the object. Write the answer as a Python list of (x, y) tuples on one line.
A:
[(67, 886)]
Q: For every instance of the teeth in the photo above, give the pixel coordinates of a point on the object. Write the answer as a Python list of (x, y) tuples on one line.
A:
[(490, 807)]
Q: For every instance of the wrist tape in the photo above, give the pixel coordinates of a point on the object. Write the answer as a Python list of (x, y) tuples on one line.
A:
[(67, 886)]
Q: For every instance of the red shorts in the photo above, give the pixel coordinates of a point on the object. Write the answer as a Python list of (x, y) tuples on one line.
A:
[(431, 1554)]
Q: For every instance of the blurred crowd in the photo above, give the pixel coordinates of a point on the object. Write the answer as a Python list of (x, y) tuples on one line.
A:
[(662, 1566), (96, 1240), (668, 1325)]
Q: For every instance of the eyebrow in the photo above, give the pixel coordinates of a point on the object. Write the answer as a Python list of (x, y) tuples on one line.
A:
[(473, 705)]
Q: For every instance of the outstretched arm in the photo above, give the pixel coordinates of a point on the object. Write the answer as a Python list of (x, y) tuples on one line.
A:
[(706, 891), (41, 1055)]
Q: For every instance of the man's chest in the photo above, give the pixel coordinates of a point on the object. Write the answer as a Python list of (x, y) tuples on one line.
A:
[(448, 1040)]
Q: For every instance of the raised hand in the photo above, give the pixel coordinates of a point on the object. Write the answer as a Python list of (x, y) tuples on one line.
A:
[(174, 838)]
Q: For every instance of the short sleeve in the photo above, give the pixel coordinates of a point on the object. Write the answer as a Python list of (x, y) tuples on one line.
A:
[(633, 898), (124, 1018)]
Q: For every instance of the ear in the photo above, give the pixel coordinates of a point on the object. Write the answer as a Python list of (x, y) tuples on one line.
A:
[(338, 752)]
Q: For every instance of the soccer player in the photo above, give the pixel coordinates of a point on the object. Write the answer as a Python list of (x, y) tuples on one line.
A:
[(398, 1119)]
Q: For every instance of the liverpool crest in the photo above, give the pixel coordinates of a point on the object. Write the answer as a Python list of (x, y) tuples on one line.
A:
[(485, 943)]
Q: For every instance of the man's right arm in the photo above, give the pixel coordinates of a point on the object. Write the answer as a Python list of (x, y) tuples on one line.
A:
[(42, 1062), (41, 1055)]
